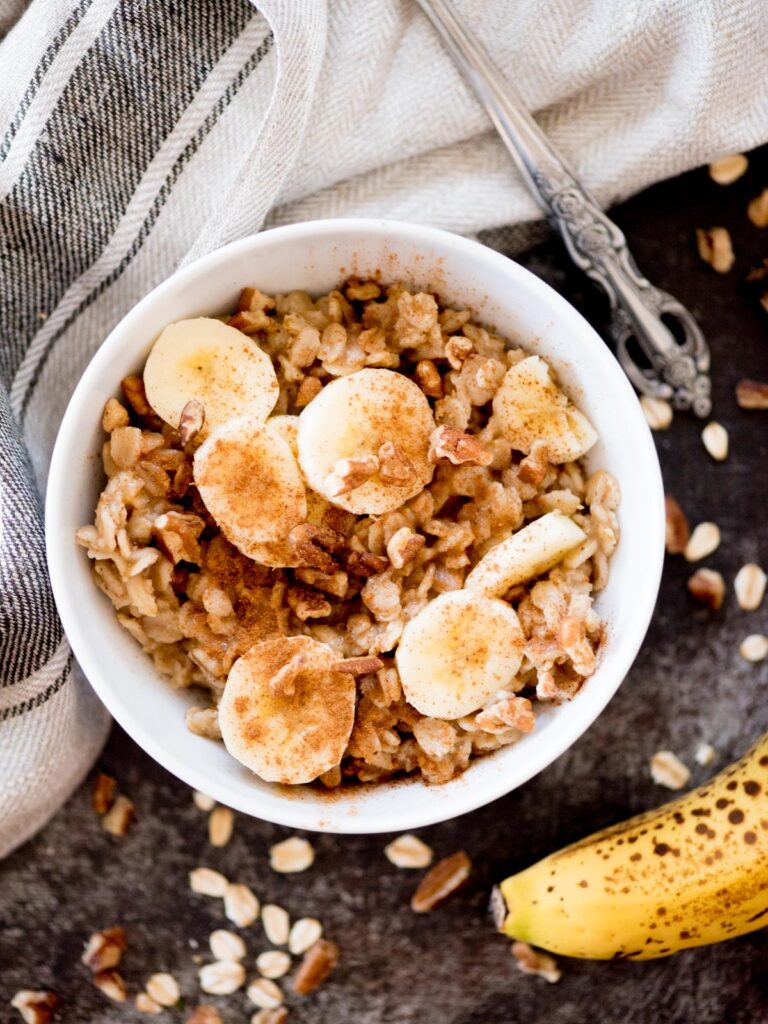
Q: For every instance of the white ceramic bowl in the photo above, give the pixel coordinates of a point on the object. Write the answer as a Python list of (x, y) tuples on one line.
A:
[(315, 257)]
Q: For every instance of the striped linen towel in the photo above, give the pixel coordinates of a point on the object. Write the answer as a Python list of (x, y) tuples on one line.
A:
[(136, 135)]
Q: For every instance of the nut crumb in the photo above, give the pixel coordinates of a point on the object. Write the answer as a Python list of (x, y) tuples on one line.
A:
[(715, 439), (668, 770), (103, 794), (728, 169), (318, 962), (35, 1007), (531, 961), (448, 875), (408, 851), (754, 647), (677, 530), (104, 949), (207, 882), (749, 586), (708, 587), (291, 855), (447, 444), (220, 825), (119, 817), (715, 248), (705, 754), (657, 411), (703, 541), (752, 394)]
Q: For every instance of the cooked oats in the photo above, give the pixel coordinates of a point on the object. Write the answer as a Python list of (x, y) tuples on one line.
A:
[(195, 604), (304, 933), (291, 855)]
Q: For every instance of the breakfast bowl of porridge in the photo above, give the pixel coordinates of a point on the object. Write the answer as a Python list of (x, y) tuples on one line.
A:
[(354, 525)]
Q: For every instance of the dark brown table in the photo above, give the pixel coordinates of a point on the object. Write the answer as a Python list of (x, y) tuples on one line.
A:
[(688, 684)]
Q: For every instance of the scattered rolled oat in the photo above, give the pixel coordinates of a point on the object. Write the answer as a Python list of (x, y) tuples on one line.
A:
[(103, 794), (408, 851), (708, 587), (104, 949), (446, 877), (677, 531), (715, 248), (715, 438), (118, 818), (207, 882), (240, 905), (222, 977), (265, 993), (202, 801), (304, 933), (164, 989), (668, 770), (273, 963), (754, 647), (220, 825), (204, 1015), (276, 924), (703, 541), (728, 169), (277, 1016), (752, 394), (318, 962), (226, 945), (757, 211), (705, 754), (658, 412), (35, 1007), (750, 586), (291, 855), (110, 984), (146, 1004), (531, 961)]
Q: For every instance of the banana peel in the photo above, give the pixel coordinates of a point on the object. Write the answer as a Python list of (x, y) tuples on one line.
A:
[(690, 873)]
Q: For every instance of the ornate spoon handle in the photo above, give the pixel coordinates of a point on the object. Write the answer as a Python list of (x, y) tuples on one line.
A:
[(671, 368)]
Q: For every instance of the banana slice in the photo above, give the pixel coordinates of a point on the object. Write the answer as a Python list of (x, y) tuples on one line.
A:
[(220, 367), (285, 714), (528, 553), (343, 430), (250, 482), (457, 652), (530, 407), (286, 427)]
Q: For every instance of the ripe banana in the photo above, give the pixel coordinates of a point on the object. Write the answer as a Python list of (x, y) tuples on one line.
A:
[(350, 421), (250, 482), (285, 713), (692, 872), (530, 407), (527, 553), (457, 652), (217, 365)]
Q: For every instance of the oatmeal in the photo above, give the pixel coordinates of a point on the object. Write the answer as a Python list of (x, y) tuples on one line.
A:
[(358, 529)]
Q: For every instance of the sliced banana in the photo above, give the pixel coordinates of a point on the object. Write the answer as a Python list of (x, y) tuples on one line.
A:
[(286, 427), (285, 713), (526, 554), (457, 652), (207, 360), (530, 407), (250, 482), (351, 419)]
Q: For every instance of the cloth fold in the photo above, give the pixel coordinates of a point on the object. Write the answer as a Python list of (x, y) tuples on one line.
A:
[(135, 137)]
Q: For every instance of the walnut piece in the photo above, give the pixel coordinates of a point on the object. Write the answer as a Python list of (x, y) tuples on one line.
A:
[(314, 546), (448, 875), (447, 444), (176, 534), (318, 962), (104, 949), (707, 587), (457, 350), (307, 604), (677, 531), (394, 465), (715, 248), (427, 376), (103, 793), (252, 300), (191, 421), (35, 1007), (359, 666), (510, 713), (349, 474), (119, 817), (752, 394), (365, 563)]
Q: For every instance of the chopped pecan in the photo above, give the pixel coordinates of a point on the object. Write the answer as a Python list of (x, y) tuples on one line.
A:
[(176, 534), (315, 546), (714, 245), (678, 530), (394, 465), (104, 949), (531, 961), (318, 962), (307, 604), (119, 817), (707, 586), (110, 984), (752, 394), (757, 211), (339, 520), (359, 666), (349, 474), (447, 444), (35, 1007), (191, 421), (103, 793), (365, 563), (444, 878), (427, 376)]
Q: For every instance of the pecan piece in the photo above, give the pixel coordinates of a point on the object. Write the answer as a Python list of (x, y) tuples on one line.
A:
[(307, 604), (136, 396), (534, 466), (309, 388), (365, 563), (427, 376), (752, 394), (708, 587), (252, 300), (318, 962), (315, 546), (449, 445), (110, 984), (445, 877), (119, 817), (394, 466), (204, 1014), (715, 248), (249, 321), (104, 949), (349, 474), (359, 666), (191, 421), (35, 1007), (176, 534), (103, 793), (678, 530)]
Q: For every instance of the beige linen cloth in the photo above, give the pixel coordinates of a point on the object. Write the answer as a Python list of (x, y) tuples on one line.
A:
[(134, 137)]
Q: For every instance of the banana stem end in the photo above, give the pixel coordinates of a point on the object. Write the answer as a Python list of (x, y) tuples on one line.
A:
[(498, 908)]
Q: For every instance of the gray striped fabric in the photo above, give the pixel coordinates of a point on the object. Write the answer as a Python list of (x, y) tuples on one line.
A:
[(136, 135)]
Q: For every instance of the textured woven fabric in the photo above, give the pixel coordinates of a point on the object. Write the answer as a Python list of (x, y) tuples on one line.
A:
[(136, 136)]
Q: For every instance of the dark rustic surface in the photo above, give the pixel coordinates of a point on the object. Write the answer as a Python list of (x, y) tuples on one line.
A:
[(688, 684)]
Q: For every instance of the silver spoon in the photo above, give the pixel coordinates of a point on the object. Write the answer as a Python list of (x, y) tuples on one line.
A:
[(678, 369)]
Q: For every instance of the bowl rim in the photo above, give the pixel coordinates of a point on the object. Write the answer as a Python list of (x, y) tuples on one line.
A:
[(297, 813)]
